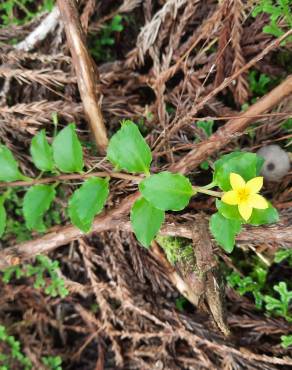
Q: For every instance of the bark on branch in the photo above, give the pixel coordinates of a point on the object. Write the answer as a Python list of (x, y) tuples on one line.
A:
[(233, 127), (115, 219), (85, 70)]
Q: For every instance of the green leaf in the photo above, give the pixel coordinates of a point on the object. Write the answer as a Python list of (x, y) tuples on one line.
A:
[(286, 341), (8, 166), (128, 149), (204, 165), (224, 231), (264, 216), (228, 211), (167, 191), (41, 152), (206, 126), (273, 29), (246, 165), (146, 221), (287, 125), (87, 201), (283, 254), (2, 216), (36, 202), (67, 150), (258, 217)]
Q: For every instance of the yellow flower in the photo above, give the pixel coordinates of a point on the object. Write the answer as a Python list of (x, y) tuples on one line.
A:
[(244, 194)]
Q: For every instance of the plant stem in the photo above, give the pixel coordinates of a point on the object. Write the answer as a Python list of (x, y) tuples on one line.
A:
[(203, 190), (117, 175), (209, 186)]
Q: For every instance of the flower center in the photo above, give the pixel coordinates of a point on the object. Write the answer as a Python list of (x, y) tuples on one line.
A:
[(243, 194)]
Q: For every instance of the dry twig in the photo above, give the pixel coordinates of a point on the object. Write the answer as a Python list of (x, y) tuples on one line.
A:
[(85, 71)]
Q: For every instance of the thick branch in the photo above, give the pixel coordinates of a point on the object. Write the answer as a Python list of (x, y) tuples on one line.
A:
[(233, 127), (47, 25), (115, 218), (85, 71)]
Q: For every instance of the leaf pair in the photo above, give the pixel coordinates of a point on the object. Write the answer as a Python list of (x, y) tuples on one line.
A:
[(85, 203), (226, 223), (65, 152), (161, 192)]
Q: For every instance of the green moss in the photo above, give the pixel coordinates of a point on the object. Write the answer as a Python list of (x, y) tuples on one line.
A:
[(176, 249)]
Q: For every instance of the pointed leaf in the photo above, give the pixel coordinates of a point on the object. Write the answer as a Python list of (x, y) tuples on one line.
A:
[(228, 211), (41, 152), (8, 166), (206, 126), (36, 202), (128, 149), (67, 150), (224, 231), (146, 221), (2, 216), (87, 201), (167, 191)]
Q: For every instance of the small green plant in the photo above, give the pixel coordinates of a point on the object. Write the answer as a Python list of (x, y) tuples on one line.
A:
[(206, 126), (100, 47), (277, 300), (259, 83), (180, 303), (286, 341), (284, 254), (250, 284), (44, 267), (235, 174), (280, 306), (277, 10), (12, 356), (22, 11), (287, 125), (52, 362)]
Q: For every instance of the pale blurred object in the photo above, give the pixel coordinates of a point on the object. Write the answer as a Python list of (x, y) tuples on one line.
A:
[(277, 162)]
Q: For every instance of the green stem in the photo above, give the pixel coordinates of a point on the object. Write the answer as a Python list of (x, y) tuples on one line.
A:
[(198, 189), (209, 186), (24, 8), (6, 194)]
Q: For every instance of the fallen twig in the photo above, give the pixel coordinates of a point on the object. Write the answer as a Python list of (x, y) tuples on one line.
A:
[(274, 235), (233, 127), (75, 176), (47, 25), (85, 71)]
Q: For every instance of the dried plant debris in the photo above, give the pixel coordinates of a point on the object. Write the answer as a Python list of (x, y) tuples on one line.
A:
[(200, 79)]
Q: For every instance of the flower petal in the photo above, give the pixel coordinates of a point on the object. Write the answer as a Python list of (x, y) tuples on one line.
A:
[(254, 185), (236, 181), (257, 201), (245, 210), (230, 197)]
